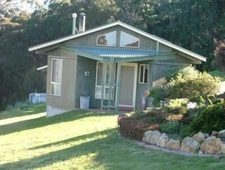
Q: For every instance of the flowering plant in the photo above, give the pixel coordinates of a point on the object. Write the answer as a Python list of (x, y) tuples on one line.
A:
[(146, 93)]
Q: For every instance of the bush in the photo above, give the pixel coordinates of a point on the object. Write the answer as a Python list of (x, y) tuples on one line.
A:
[(175, 127), (134, 125), (177, 106), (184, 72), (170, 127), (131, 128), (158, 94), (191, 86), (209, 118), (151, 117), (184, 130)]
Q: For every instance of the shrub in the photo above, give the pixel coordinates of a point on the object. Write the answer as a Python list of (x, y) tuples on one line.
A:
[(186, 83), (151, 117), (209, 118), (191, 86), (184, 130), (175, 127), (158, 94), (131, 128), (136, 124), (177, 106), (184, 72), (170, 127)]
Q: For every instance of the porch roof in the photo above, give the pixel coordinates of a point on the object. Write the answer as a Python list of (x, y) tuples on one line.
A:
[(119, 54)]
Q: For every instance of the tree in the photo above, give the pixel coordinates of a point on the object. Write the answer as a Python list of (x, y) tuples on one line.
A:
[(17, 66), (191, 24), (220, 54)]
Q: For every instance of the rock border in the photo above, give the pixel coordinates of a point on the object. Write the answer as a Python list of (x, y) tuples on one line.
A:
[(154, 147), (199, 144)]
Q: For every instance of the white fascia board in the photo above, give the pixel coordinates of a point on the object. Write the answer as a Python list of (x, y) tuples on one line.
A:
[(42, 68), (153, 37), (71, 37), (163, 41)]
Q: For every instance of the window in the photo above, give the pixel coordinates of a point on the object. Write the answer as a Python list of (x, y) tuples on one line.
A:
[(127, 40), (98, 87), (143, 73), (108, 39), (56, 77)]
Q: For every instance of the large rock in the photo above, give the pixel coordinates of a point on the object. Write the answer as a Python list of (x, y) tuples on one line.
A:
[(190, 145), (200, 137), (214, 133), (147, 136), (222, 148), (211, 145), (162, 141), (221, 134), (154, 137), (173, 144)]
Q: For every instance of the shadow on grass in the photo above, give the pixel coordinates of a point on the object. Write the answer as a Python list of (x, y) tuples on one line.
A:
[(43, 121), (82, 137), (23, 110), (94, 146)]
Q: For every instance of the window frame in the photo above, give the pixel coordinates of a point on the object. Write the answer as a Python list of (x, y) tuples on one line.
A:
[(105, 95), (143, 74), (102, 45), (51, 78), (129, 46)]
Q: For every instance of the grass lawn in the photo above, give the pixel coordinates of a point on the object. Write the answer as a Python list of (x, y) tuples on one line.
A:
[(81, 140)]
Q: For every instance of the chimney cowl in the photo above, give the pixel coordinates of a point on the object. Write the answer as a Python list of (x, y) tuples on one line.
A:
[(82, 19)]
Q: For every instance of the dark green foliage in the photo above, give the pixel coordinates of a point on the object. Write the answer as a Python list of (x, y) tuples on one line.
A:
[(176, 21), (170, 126), (150, 117), (176, 127), (158, 94), (184, 130), (188, 116), (208, 119)]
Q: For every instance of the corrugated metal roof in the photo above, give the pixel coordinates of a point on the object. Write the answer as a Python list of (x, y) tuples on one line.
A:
[(118, 52)]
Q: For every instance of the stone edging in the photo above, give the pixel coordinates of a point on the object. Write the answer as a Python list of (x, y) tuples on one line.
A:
[(155, 147), (199, 144)]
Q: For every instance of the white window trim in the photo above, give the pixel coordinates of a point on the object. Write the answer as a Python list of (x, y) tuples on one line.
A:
[(105, 45), (105, 96), (56, 83), (143, 76)]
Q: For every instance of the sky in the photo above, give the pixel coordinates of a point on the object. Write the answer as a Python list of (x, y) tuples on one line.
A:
[(22, 5)]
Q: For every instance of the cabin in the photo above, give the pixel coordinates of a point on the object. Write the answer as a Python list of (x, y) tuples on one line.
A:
[(111, 66)]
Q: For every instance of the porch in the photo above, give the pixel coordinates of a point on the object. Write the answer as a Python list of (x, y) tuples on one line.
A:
[(120, 64)]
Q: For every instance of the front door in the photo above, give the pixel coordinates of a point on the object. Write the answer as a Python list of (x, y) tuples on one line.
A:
[(128, 86)]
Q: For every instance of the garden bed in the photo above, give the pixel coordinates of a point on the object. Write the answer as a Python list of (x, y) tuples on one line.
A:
[(175, 131)]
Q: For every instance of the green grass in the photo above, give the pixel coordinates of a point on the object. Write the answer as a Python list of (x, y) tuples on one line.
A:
[(81, 140)]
